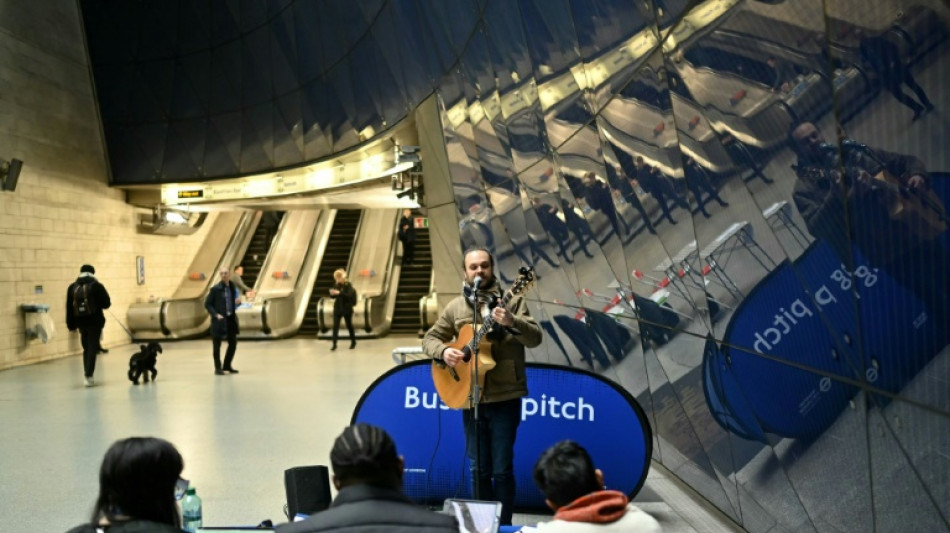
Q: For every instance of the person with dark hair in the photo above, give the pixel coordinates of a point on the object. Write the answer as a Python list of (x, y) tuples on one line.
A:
[(656, 184), (367, 474), (575, 491), (407, 235), (222, 303), (85, 300), (697, 180), (577, 225), (499, 408), (598, 196), (843, 203), (344, 299), (557, 228), (885, 59), (139, 483)]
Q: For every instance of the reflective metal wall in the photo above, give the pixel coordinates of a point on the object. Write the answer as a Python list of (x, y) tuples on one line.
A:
[(735, 207), (736, 211)]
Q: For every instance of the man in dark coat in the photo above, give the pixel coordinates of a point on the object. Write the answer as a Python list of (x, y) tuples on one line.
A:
[(656, 184), (407, 235), (85, 300), (885, 59), (367, 474), (344, 300), (598, 196), (697, 180), (222, 303)]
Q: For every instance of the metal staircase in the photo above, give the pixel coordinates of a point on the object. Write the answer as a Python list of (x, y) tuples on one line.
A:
[(258, 249), (337, 255)]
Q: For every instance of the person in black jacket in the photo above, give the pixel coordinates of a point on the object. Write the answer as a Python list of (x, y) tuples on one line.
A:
[(344, 296), (139, 482), (407, 235), (222, 303), (884, 57), (85, 300), (367, 474)]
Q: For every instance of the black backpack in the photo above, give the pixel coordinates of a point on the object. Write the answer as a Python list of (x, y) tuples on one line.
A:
[(83, 303)]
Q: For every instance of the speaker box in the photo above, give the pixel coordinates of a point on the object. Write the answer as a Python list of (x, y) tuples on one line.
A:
[(13, 173), (308, 489)]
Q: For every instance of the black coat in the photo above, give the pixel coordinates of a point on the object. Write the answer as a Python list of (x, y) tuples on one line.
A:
[(97, 293), (344, 302), (367, 508), (216, 304), (132, 526), (407, 231)]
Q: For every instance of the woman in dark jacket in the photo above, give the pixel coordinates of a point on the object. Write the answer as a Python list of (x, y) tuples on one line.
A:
[(345, 299), (137, 488)]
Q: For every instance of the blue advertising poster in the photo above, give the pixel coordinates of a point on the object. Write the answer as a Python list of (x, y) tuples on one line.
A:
[(798, 347), (563, 403)]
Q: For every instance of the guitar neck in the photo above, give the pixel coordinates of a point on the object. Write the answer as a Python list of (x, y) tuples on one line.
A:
[(488, 323)]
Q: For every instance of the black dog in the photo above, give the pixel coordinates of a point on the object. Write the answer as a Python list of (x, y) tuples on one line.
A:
[(142, 363)]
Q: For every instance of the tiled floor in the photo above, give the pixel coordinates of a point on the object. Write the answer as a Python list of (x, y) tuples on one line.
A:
[(237, 433)]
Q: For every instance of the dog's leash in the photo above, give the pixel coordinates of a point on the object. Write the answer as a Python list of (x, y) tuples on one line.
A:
[(131, 337)]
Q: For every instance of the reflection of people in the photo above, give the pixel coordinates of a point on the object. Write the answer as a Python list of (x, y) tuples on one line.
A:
[(547, 215), (783, 74), (344, 299), (659, 187), (598, 196), (575, 491), (85, 300), (499, 410), (237, 277), (407, 235), (577, 225), (842, 202), (367, 474), (697, 180), (624, 184), (885, 59), (139, 481), (221, 303)]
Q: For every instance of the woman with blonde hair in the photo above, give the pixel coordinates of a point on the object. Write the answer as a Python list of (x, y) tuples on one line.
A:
[(344, 296)]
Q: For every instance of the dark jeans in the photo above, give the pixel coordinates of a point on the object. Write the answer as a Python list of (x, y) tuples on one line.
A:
[(232, 345), (349, 325), (89, 337), (497, 429), (408, 250)]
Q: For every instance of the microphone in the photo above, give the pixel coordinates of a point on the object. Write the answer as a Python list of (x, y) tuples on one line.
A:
[(476, 283), (827, 147), (852, 144)]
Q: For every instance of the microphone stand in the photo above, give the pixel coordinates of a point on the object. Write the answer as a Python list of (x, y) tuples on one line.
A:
[(474, 394)]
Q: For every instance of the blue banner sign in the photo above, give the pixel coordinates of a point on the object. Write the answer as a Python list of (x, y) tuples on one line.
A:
[(802, 328), (564, 403)]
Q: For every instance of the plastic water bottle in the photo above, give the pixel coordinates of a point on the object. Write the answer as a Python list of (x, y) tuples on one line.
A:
[(191, 511)]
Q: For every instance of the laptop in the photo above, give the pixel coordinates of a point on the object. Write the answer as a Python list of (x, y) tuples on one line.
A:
[(474, 516)]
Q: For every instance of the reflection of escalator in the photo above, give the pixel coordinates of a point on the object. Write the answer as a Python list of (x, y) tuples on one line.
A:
[(413, 285), (259, 246), (336, 255)]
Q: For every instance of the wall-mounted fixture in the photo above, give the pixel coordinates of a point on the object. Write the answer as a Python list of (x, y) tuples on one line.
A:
[(166, 221), (10, 173)]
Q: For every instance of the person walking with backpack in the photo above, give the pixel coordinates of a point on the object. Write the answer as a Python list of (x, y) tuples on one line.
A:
[(85, 300)]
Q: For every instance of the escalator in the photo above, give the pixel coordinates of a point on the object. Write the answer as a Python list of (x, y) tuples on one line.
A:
[(414, 281), (259, 246), (336, 255)]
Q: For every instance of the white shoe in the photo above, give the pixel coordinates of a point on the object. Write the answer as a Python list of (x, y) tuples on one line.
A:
[(89, 382)]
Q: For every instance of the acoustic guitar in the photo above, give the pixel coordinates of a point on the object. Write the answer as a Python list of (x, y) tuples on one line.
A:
[(921, 212), (454, 384)]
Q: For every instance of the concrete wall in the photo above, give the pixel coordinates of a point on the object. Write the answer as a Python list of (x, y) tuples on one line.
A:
[(63, 213)]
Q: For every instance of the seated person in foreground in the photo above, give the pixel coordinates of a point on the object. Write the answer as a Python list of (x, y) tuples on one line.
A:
[(367, 474), (574, 489), (137, 488)]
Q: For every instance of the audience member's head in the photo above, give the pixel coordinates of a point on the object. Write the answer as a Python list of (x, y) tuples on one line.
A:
[(339, 275), (565, 472), (137, 481), (366, 455)]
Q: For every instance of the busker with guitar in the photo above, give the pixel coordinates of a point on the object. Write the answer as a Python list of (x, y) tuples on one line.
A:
[(499, 408), (849, 193)]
